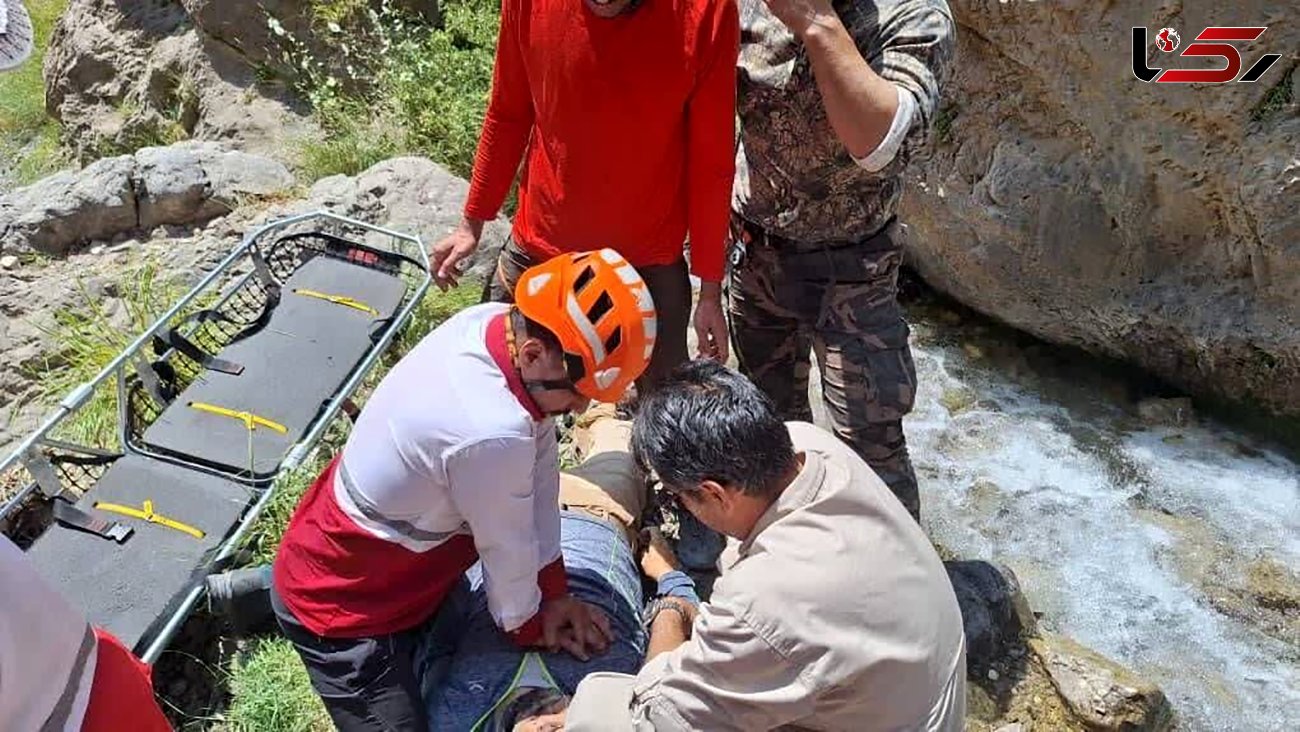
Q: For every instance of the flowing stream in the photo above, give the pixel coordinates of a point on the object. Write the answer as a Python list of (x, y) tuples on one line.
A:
[(1137, 540)]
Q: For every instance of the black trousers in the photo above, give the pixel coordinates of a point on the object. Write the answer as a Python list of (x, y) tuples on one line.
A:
[(367, 684)]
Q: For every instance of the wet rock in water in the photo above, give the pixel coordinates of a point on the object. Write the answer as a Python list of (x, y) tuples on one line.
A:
[(995, 614), (1177, 412), (1272, 585), (958, 399), (8, 262), (1105, 695)]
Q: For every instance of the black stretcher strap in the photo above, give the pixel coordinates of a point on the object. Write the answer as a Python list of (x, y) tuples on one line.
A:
[(72, 517), (172, 338)]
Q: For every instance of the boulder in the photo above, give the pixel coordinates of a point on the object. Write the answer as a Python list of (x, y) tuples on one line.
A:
[(1105, 695), (194, 182), (56, 213), (186, 183), (121, 75), (412, 195), (995, 614), (1154, 223)]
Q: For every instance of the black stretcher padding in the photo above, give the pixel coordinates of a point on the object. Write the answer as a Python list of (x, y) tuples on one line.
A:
[(292, 367), (131, 589)]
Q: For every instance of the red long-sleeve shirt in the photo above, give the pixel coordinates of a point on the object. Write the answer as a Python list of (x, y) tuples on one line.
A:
[(628, 125)]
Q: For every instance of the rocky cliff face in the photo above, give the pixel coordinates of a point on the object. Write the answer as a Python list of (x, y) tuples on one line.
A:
[(122, 73), (1154, 223)]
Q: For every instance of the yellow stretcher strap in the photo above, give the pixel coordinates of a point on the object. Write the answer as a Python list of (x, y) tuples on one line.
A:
[(338, 300), (250, 420), (146, 514)]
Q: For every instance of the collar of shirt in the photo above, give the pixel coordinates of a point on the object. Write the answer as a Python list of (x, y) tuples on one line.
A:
[(496, 345), (801, 491)]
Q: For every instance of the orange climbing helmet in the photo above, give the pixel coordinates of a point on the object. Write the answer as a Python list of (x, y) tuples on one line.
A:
[(600, 310)]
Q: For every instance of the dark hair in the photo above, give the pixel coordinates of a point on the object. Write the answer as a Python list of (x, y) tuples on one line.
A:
[(708, 422), (531, 703), (533, 329)]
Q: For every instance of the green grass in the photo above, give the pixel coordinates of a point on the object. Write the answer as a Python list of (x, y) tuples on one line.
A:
[(347, 149), (22, 104), (1277, 98), (943, 122), (272, 693), (22, 90), (427, 96), (86, 342)]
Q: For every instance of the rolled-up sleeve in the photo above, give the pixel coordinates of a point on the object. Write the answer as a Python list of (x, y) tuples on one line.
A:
[(917, 55), (726, 677)]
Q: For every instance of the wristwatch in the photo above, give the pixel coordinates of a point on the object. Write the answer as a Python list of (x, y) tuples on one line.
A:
[(660, 604)]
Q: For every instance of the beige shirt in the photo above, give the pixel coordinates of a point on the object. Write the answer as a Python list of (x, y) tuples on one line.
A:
[(834, 614)]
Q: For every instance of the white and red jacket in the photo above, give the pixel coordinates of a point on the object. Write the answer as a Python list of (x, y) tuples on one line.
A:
[(449, 462), (57, 673)]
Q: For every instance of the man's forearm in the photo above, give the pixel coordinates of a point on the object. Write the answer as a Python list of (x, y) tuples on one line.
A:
[(859, 103), (668, 631)]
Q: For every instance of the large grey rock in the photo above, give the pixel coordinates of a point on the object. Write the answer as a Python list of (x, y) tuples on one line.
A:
[(186, 183), (193, 182), (1155, 223), (68, 208), (410, 194), (122, 74), (1105, 695)]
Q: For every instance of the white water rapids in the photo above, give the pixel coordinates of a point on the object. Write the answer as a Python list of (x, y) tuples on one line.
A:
[(1052, 475)]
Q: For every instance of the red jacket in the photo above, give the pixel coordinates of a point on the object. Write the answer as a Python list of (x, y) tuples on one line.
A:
[(628, 124)]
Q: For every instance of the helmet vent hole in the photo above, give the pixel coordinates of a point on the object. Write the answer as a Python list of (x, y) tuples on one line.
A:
[(603, 305), (614, 339), (584, 278)]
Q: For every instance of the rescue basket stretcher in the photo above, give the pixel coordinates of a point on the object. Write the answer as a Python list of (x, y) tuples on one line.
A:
[(220, 396)]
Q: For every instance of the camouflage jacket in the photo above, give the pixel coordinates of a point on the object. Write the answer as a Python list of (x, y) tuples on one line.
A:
[(794, 177)]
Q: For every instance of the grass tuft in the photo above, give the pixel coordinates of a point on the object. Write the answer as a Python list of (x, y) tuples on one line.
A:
[(22, 90), (86, 342), (1276, 99), (272, 692)]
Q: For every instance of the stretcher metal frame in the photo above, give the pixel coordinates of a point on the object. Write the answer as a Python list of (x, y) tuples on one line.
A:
[(121, 374)]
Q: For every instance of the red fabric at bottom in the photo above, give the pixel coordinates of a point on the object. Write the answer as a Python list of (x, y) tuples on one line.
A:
[(121, 694)]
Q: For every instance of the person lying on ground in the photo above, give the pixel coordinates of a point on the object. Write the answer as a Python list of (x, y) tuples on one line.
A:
[(473, 677), (454, 461), (832, 610)]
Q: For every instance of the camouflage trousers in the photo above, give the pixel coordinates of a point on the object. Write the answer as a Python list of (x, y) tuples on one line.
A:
[(841, 303)]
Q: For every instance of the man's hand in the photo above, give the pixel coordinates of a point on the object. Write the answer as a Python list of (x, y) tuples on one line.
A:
[(658, 558), (801, 15), (575, 626), (445, 257), (711, 324)]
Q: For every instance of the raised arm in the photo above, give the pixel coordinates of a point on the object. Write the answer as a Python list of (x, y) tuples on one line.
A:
[(501, 145), (873, 114)]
